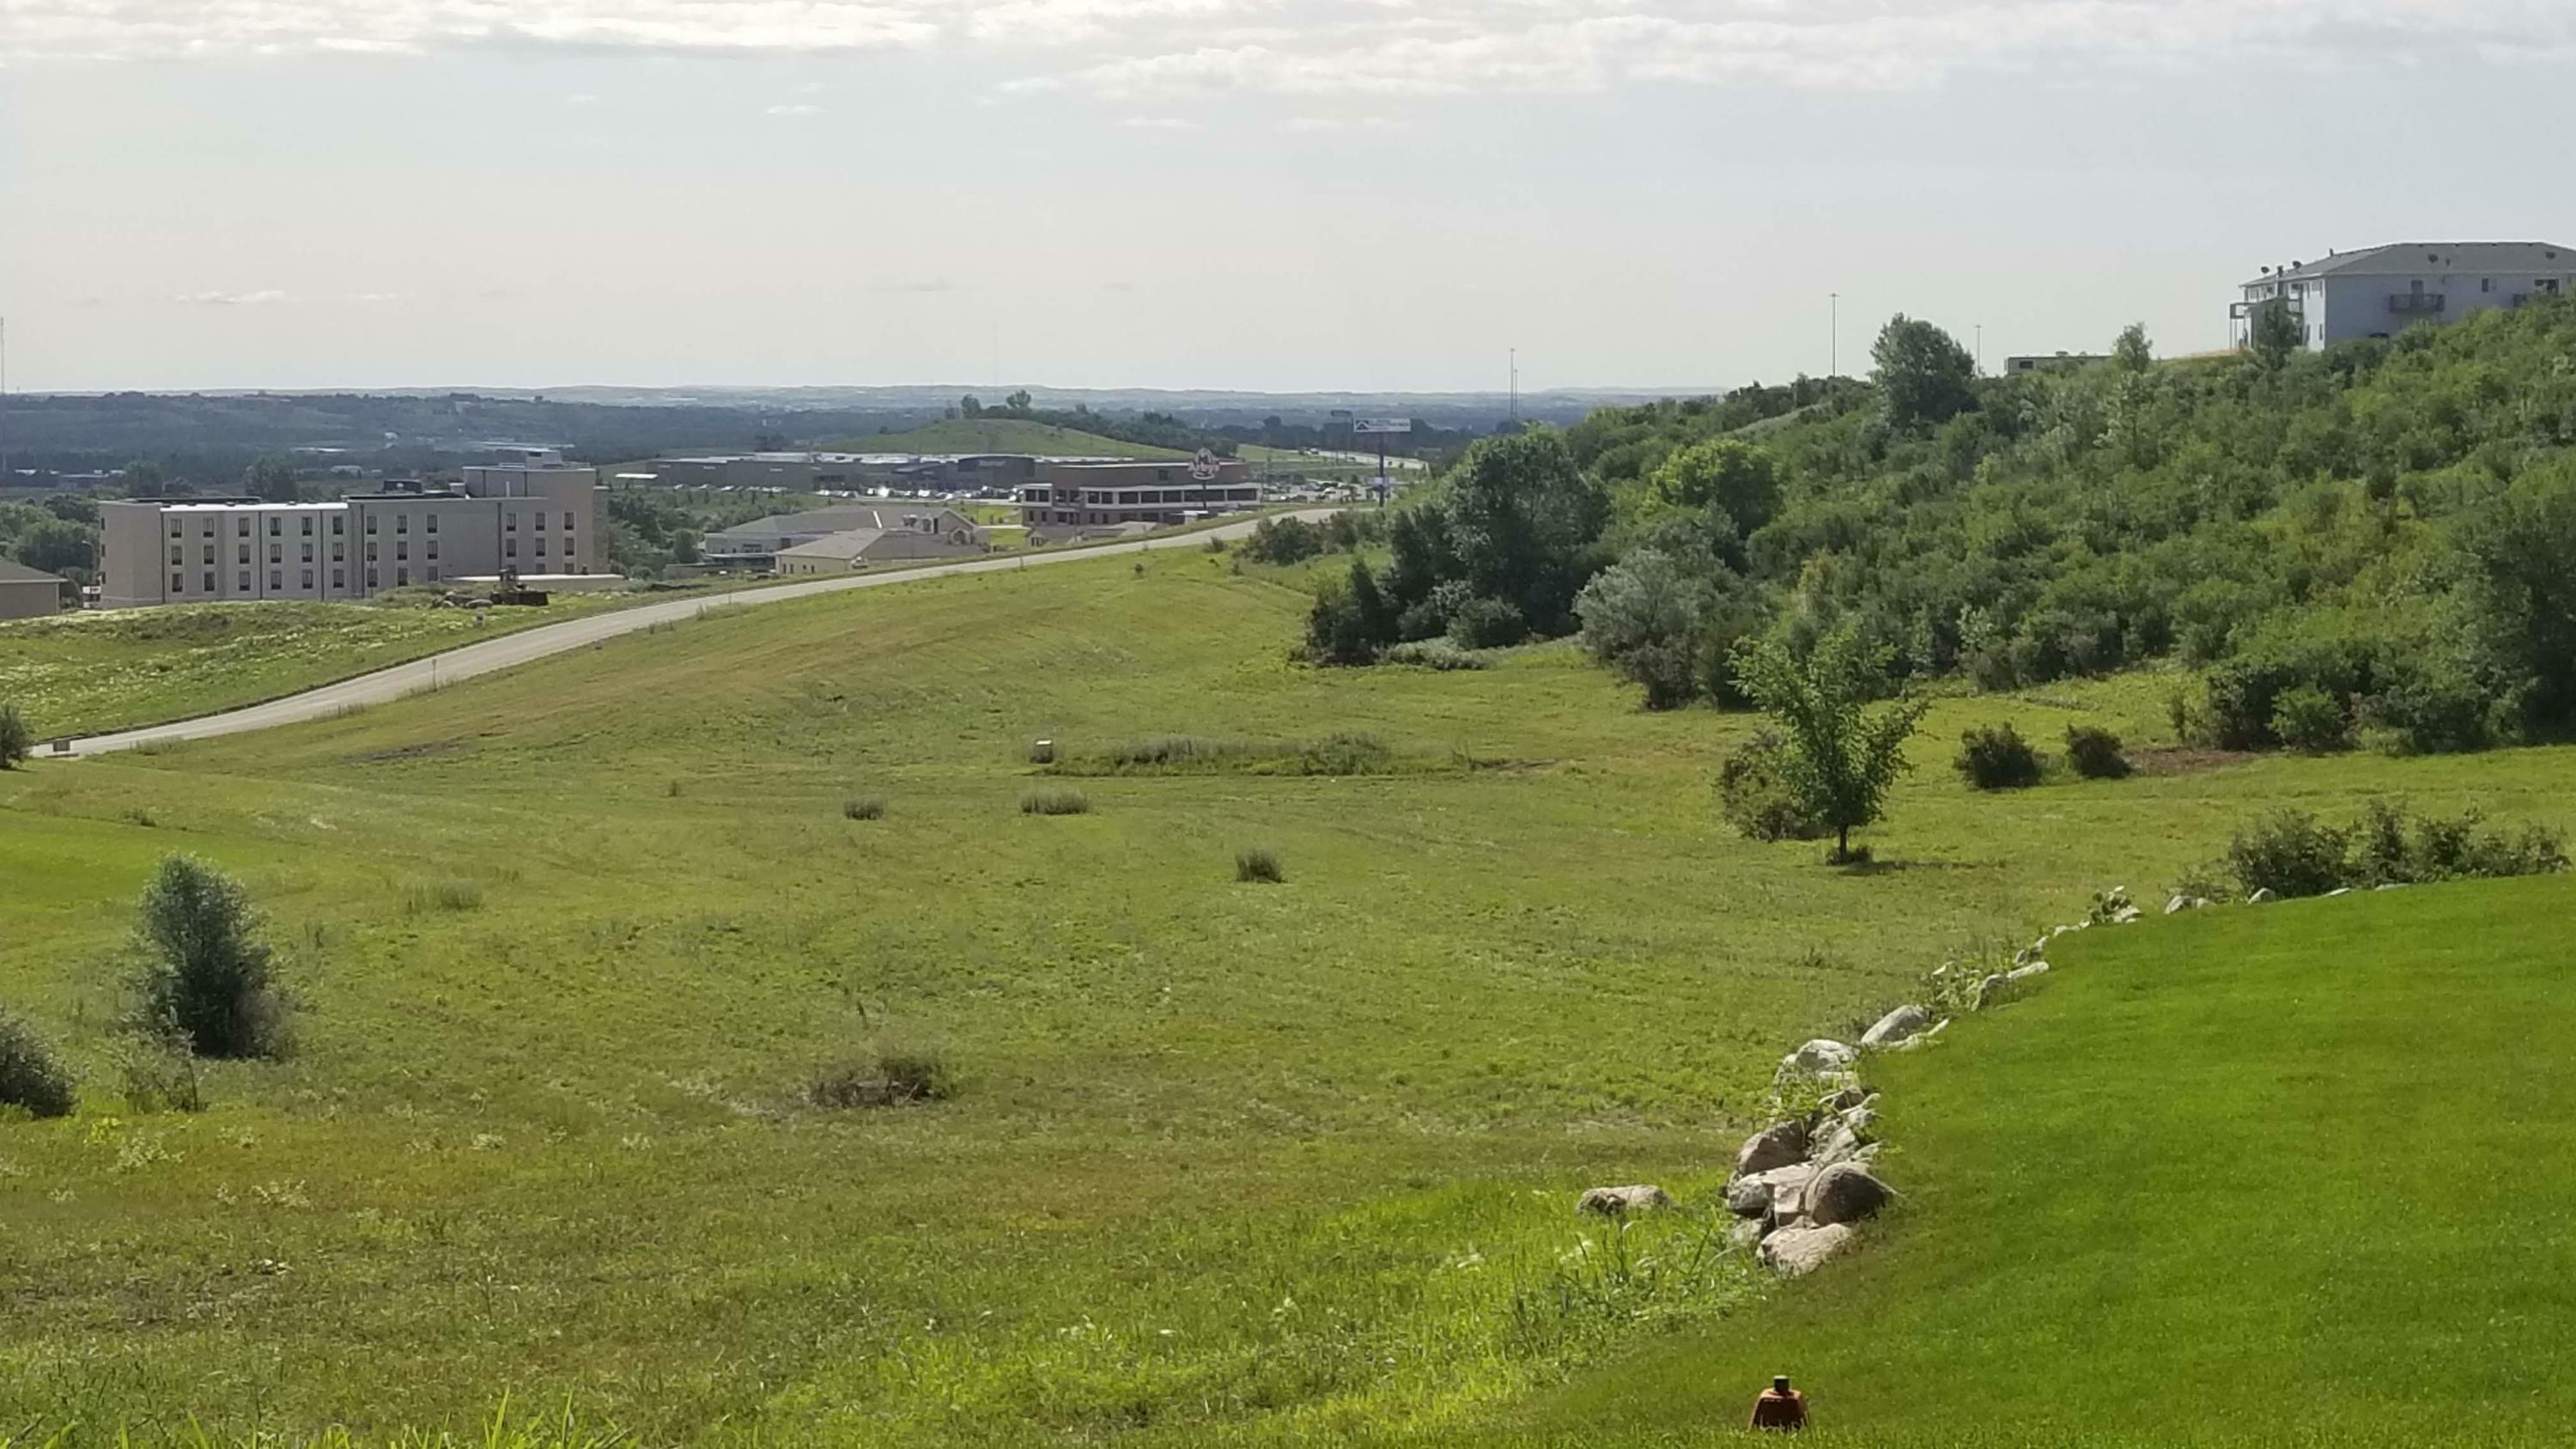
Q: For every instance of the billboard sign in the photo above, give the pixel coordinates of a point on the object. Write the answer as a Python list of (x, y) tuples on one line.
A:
[(1204, 468), (1383, 425)]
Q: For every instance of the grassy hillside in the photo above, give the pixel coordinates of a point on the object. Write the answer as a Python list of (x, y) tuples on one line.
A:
[(1229, 1163), (2251, 1176), (1004, 435), (84, 673)]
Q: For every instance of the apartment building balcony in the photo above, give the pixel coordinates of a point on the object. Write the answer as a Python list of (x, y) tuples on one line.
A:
[(2245, 311), (2417, 304)]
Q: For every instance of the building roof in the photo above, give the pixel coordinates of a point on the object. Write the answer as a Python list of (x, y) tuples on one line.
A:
[(14, 572), (2418, 258), (821, 521), (838, 547)]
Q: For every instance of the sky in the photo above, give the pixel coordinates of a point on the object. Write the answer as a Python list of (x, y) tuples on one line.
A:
[(1261, 194)]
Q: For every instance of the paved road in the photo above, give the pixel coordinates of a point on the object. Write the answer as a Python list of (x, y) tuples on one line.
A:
[(510, 650)]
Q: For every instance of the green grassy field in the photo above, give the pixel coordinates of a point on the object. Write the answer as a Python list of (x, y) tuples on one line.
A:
[(1231, 1163), (84, 673), (2249, 1176), (1003, 435)]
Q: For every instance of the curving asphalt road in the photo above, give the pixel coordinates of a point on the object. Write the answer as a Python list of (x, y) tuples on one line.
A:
[(510, 650)]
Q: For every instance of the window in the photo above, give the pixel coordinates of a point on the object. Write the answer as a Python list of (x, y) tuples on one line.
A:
[(308, 576), (178, 583), (243, 577), (510, 548), (244, 554), (371, 523), (275, 525), (541, 520), (339, 579), (210, 553), (402, 523), (274, 552), (277, 578), (371, 578), (308, 551), (175, 552), (402, 577), (402, 548), (308, 528), (174, 528), (433, 548), (510, 523), (210, 581), (541, 548), (371, 550), (432, 524), (339, 524), (241, 528), (2486, 284), (339, 552), (567, 523), (433, 573), (210, 528)]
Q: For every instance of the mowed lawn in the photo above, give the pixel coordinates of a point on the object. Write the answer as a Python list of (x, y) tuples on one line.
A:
[(1240, 1161), (2287, 1174)]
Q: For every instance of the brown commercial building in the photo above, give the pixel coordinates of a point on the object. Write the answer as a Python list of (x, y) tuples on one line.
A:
[(1106, 495)]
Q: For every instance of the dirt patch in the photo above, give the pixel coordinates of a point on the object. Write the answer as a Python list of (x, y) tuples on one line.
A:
[(2187, 759)]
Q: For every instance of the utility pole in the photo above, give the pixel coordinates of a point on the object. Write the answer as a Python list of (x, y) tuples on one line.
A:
[(1981, 349), (1834, 349), (5, 475), (1516, 399)]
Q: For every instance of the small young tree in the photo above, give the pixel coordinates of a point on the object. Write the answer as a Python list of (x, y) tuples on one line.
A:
[(1926, 377), (16, 739), (1838, 756), (206, 980), (2275, 334), (31, 1077), (2133, 353)]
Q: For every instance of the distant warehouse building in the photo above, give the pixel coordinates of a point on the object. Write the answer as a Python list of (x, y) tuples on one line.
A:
[(2380, 291), (27, 593), (926, 530), (1075, 496), (535, 515)]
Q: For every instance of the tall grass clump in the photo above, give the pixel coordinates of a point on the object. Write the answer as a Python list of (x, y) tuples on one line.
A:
[(2292, 853), (1259, 866), (1996, 757), (32, 1078), (2096, 753), (454, 894), (863, 807), (1055, 802), (207, 978), (887, 1074), (17, 737)]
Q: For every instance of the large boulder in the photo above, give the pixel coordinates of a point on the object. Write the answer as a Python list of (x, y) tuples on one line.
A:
[(1846, 1193), (1930, 1035), (1988, 989), (1781, 1192), (1818, 1058), (1844, 1100), (1794, 1252), (1611, 1202), (1777, 1145), (1839, 1143), (1896, 1026)]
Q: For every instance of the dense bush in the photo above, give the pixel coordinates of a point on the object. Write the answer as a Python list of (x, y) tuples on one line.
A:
[(886, 1075), (16, 738), (1285, 541), (1996, 757), (863, 807), (31, 1078), (1754, 796), (207, 979), (2305, 717), (1487, 624), (2095, 753), (2292, 853), (1259, 865), (1055, 802)]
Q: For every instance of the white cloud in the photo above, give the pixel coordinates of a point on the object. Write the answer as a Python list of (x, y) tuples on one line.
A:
[(798, 109), (1136, 49), (1327, 125), (1159, 123), (230, 299)]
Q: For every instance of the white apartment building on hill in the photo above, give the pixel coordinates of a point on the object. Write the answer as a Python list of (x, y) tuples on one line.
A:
[(537, 515), (2381, 291)]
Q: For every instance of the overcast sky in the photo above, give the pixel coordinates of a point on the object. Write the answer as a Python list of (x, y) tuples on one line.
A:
[(1282, 194)]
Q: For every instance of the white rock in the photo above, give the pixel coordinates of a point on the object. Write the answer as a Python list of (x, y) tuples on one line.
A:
[(2393, 885), (2177, 905), (1896, 1026), (1796, 1252), (2338, 891), (1817, 1058), (2126, 915), (2265, 896), (1611, 1202), (2024, 973)]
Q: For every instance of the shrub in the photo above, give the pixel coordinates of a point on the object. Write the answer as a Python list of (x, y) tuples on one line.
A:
[(863, 807), (2307, 718), (886, 1075), (1284, 541), (1055, 802), (2095, 753), (1259, 865), (1487, 624), (206, 978), (16, 737), (443, 895), (1996, 757), (1041, 752), (30, 1076), (2289, 853), (1754, 795), (1434, 654)]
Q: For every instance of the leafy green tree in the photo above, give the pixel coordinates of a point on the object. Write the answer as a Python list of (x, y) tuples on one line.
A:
[(57, 546), (1523, 520), (1641, 617), (271, 479), (2133, 353), (143, 478), (2521, 592), (1739, 477), (1838, 755), (207, 980), (1017, 402), (16, 736), (1926, 377), (2276, 333)]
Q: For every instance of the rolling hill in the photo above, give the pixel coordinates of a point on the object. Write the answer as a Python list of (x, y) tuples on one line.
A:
[(1003, 435)]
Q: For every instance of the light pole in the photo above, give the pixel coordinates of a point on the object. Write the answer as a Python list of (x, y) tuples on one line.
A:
[(1834, 349)]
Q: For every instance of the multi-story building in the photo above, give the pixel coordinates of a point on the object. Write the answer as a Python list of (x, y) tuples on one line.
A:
[(536, 516), (2380, 291), (1098, 495)]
